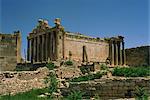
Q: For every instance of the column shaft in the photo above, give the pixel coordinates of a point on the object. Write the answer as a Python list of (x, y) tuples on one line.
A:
[(124, 55), (110, 52), (116, 56), (119, 61), (34, 50), (53, 47), (120, 55), (42, 50), (50, 49), (63, 48), (28, 51), (46, 47), (112, 57), (38, 50), (56, 47)]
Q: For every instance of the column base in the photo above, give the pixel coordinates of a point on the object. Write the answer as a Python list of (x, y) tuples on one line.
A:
[(33, 61), (112, 65), (124, 65)]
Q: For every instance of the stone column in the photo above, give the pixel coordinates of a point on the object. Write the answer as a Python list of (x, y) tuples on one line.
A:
[(83, 54), (42, 50), (116, 56), (46, 46), (63, 44), (112, 57), (120, 54), (110, 52), (50, 46), (118, 44), (34, 50), (56, 49), (38, 48), (28, 50), (123, 53)]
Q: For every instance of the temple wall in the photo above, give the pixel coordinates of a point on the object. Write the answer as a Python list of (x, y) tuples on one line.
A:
[(96, 51)]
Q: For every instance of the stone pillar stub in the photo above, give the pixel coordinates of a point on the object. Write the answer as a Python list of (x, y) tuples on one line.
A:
[(85, 57)]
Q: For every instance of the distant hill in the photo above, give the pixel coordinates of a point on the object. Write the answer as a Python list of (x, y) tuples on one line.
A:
[(139, 56)]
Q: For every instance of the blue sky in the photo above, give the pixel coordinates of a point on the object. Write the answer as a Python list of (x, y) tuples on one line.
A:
[(97, 18)]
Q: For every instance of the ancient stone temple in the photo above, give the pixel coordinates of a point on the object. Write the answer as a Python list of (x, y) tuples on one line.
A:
[(54, 43), (10, 50)]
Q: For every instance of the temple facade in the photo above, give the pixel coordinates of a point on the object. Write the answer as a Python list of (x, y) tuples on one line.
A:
[(46, 43)]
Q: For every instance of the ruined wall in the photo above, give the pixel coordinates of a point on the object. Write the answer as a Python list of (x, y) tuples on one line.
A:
[(96, 51), (8, 58), (111, 88), (10, 51), (15, 82)]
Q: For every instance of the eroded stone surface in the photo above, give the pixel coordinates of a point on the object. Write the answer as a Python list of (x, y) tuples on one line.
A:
[(68, 72), (22, 81), (114, 87), (10, 51)]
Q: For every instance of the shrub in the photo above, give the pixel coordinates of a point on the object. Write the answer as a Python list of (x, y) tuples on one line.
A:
[(85, 69), (75, 95), (104, 67), (53, 83), (69, 62), (98, 75), (97, 97), (50, 66), (22, 69), (29, 95), (141, 93), (131, 72)]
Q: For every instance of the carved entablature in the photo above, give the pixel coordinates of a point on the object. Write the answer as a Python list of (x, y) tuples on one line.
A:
[(58, 25), (115, 39), (120, 39), (41, 27), (57, 21)]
